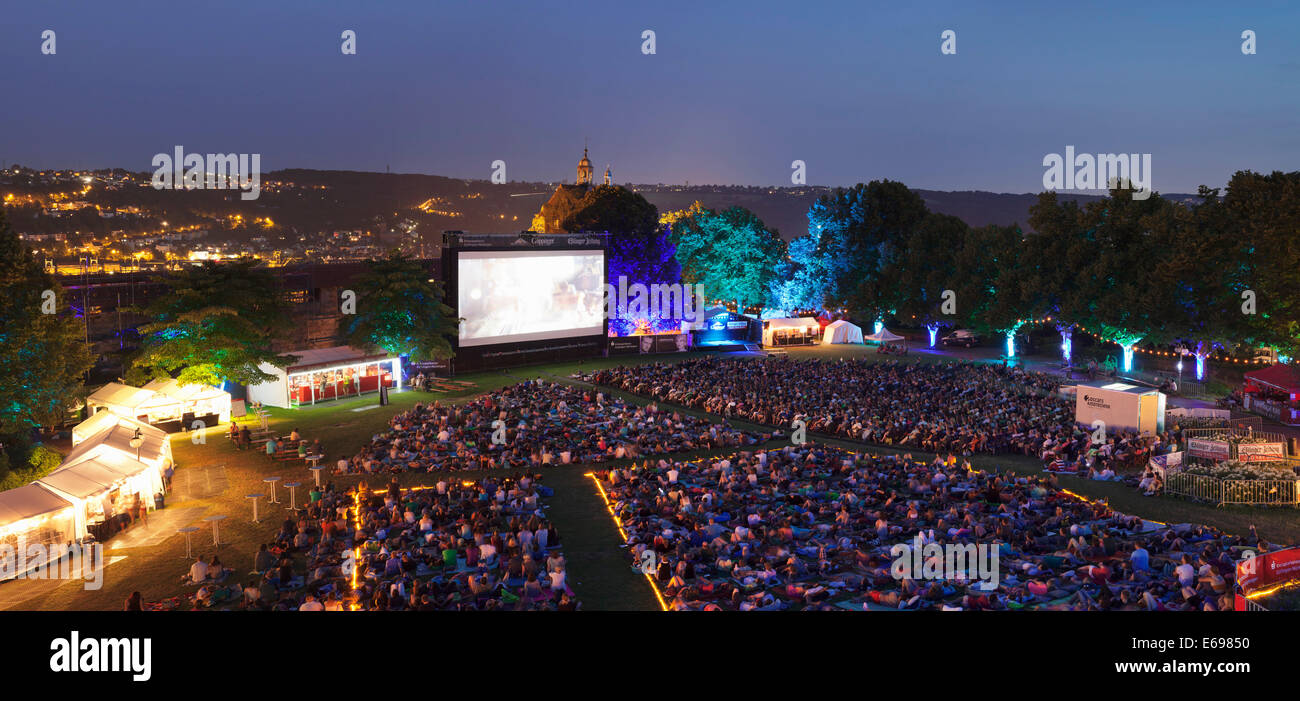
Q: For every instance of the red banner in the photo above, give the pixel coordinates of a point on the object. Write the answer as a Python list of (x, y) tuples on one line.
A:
[(1268, 570)]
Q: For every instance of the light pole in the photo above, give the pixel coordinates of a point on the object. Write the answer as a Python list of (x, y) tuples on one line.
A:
[(136, 441)]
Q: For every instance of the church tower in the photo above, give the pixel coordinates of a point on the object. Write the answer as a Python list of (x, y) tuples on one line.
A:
[(609, 175), (584, 169)]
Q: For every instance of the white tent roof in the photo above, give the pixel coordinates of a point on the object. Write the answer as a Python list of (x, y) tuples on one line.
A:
[(105, 420), (82, 480), (331, 357), (802, 322), (117, 437), (120, 395), (883, 337), (175, 390), (28, 501)]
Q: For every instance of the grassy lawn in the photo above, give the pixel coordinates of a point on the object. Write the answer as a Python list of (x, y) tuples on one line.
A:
[(599, 570)]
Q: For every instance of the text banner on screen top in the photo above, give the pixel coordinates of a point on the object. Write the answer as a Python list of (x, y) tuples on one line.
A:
[(529, 295), (529, 240)]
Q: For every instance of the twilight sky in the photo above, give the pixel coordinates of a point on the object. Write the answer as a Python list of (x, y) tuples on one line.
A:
[(736, 91)]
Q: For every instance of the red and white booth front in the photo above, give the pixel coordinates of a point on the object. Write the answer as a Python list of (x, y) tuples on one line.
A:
[(324, 374), (1274, 392)]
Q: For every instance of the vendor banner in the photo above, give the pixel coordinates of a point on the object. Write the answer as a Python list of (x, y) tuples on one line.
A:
[(1268, 570), (1202, 448), (630, 344), (1261, 452), (1166, 461)]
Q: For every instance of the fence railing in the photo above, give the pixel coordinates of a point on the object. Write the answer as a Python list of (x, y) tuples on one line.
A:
[(1242, 492), (1250, 605), (1267, 436)]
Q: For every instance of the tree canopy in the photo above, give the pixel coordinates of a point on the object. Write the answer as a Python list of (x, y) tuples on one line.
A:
[(43, 352), (401, 310), (731, 254), (217, 322)]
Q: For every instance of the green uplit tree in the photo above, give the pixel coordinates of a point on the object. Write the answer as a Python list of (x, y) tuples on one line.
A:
[(731, 253), (217, 322), (400, 310), (43, 352)]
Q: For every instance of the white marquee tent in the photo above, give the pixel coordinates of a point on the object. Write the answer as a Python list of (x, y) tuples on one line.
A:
[(842, 332), (123, 400)]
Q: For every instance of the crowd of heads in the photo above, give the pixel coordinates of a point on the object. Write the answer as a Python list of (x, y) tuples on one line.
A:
[(535, 424), (812, 527), (464, 546), (963, 408)]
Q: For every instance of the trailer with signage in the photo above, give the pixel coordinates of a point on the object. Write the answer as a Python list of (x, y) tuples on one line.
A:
[(1120, 407)]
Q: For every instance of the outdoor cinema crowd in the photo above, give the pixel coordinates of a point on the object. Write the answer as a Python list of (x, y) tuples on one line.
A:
[(811, 527), (962, 408), (542, 424), (472, 546), (452, 546)]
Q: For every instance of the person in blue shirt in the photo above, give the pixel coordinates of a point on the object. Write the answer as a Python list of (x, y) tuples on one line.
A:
[(1140, 559)]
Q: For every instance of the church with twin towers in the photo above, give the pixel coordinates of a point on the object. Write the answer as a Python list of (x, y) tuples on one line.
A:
[(564, 201)]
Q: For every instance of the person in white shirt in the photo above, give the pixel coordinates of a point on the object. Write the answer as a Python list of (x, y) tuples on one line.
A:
[(557, 580), (1186, 572), (311, 604), (672, 475), (199, 570)]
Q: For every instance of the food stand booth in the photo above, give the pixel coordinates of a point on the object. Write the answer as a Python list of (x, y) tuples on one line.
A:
[(324, 374), (802, 331), (1273, 392)]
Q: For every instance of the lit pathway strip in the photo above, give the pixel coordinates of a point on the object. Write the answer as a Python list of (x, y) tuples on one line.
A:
[(618, 523)]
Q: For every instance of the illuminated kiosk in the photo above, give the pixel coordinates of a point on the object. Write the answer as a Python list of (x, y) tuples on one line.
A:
[(33, 515), (1274, 392), (802, 331), (324, 374), (1119, 407), (526, 298)]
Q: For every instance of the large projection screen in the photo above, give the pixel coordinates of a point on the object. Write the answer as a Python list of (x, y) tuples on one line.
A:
[(513, 296)]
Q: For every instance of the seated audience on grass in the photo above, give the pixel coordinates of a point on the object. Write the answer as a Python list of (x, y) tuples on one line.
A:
[(812, 527), (962, 408), (481, 546), (541, 424)]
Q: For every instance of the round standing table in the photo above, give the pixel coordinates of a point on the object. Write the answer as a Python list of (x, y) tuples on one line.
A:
[(293, 494), (216, 527), (187, 531), (315, 470), (271, 481), (254, 498)]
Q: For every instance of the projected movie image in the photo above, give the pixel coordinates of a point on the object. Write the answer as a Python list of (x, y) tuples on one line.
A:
[(515, 296)]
